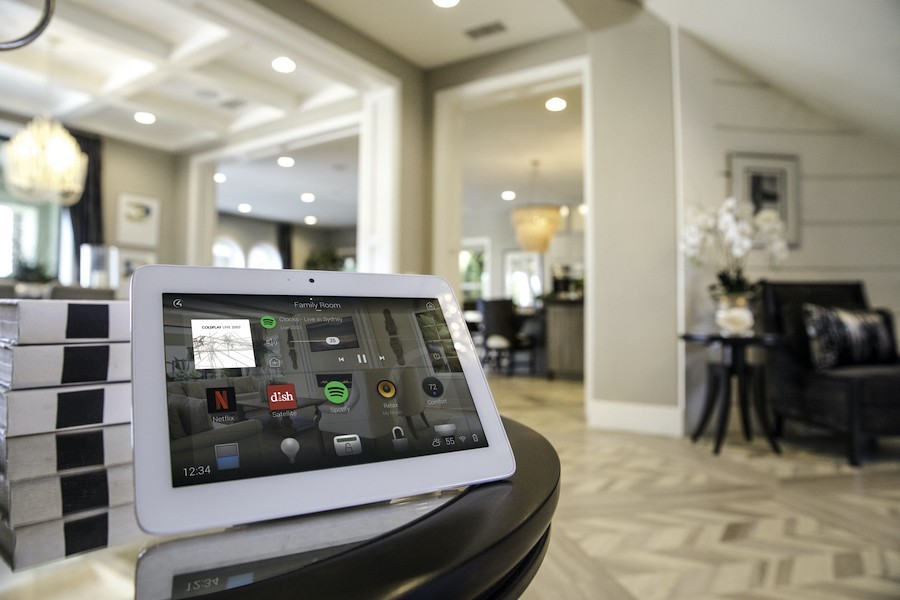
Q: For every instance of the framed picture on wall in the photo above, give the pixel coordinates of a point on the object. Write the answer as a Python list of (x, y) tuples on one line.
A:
[(137, 221), (769, 181)]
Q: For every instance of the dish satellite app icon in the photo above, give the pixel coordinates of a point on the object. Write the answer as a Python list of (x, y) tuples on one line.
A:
[(281, 397)]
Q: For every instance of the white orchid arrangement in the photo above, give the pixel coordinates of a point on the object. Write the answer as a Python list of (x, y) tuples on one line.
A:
[(725, 236)]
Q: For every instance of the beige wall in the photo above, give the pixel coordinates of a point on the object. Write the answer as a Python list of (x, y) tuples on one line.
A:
[(245, 231), (248, 232), (632, 376), (132, 169)]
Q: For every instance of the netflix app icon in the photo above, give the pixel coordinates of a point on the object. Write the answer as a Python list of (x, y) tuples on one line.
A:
[(281, 397), (221, 400)]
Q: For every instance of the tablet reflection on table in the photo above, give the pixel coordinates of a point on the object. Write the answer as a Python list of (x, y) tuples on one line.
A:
[(195, 566)]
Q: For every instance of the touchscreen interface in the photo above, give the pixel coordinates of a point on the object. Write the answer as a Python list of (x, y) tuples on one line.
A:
[(266, 385)]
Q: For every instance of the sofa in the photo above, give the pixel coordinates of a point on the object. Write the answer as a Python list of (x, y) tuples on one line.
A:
[(836, 366)]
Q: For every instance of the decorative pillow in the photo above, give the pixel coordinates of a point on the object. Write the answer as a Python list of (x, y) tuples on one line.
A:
[(197, 388), (187, 416), (245, 384), (840, 336)]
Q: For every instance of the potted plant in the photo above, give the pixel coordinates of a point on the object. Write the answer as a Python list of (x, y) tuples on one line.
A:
[(323, 259), (723, 238), (31, 279)]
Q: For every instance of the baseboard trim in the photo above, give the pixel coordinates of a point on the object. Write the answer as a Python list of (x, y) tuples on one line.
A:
[(635, 417)]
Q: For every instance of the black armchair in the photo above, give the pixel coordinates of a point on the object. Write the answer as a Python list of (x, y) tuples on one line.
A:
[(846, 379)]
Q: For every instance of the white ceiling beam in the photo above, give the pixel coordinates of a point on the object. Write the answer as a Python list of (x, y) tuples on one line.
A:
[(34, 63), (147, 137), (94, 26), (256, 22), (246, 86), (293, 127), (165, 107), (197, 52)]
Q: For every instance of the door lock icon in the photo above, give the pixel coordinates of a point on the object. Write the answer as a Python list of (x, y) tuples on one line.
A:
[(347, 445)]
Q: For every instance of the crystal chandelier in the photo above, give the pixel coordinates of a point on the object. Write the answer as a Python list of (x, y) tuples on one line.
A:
[(535, 224), (43, 163)]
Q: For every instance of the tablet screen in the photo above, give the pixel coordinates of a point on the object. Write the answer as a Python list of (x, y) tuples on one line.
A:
[(260, 385)]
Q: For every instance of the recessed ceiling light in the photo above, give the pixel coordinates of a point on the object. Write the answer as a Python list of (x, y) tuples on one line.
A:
[(283, 64), (220, 178), (508, 195), (582, 209), (310, 220), (445, 3), (307, 197), (145, 118), (243, 207), (555, 104), (285, 161), (564, 211)]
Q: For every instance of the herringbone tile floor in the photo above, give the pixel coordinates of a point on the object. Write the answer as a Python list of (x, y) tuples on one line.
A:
[(651, 518)]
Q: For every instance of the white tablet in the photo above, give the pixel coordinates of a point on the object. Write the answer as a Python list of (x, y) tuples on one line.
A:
[(260, 394)]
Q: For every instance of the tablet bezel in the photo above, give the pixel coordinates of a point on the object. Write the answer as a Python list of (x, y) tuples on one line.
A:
[(164, 509)]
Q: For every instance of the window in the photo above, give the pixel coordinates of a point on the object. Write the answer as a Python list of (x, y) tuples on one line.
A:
[(227, 253), (29, 234), (6, 241), (264, 256), (474, 268), (523, 277)]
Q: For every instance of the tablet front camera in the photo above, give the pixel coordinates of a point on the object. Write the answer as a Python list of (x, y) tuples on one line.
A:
[(311, 280)]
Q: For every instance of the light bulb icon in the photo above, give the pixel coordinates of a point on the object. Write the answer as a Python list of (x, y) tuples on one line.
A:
[(290, 447)]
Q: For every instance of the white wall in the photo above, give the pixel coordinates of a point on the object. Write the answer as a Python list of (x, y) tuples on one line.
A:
[(849, 185)]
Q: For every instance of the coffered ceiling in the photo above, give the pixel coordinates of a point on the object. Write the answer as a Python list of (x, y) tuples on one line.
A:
[(190, 64)]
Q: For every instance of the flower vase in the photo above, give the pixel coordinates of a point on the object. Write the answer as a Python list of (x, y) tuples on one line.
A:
[(733, 314)]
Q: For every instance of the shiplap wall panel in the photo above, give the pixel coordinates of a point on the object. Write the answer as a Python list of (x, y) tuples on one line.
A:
[(737, 106), (866, 199)]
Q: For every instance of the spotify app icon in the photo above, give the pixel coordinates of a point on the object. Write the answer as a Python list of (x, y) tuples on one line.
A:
[(336, 392)]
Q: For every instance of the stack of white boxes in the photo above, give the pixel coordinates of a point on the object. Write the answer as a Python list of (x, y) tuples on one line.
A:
[(66, 479)]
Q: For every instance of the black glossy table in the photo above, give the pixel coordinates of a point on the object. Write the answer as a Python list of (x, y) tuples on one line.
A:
[(734, 370), (486, 543), (483, 541)]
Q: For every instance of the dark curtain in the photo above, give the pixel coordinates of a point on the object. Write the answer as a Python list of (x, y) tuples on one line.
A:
[(284, 244), (87, 214)]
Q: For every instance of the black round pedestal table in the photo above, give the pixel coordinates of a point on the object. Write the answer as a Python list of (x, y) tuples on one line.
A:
[(734, 369), (488, 542)]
